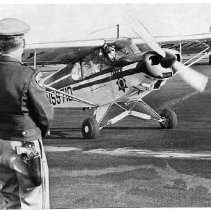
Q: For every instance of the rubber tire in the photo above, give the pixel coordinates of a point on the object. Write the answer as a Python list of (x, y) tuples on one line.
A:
[(90, 128), (170, 119)]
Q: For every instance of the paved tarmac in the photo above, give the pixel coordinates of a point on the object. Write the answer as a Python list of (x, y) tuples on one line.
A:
[(135, 163)]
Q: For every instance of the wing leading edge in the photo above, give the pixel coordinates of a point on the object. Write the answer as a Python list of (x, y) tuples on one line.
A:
[(58, 52), (189, 44)]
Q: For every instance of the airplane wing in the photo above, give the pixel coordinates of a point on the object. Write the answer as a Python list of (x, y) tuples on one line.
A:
[(190, 44), (64, 52), (58, 52)]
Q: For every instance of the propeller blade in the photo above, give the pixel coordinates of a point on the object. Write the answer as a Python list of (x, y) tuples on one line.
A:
[(141, 31), (195, 79)]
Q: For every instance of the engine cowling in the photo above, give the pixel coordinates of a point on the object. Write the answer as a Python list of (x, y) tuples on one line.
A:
[(158, 66)]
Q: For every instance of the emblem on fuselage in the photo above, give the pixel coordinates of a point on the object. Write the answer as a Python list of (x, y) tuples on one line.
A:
[(121, 82)]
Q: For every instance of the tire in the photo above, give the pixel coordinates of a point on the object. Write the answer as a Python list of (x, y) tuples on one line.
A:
[(90, 128), (170, 119)]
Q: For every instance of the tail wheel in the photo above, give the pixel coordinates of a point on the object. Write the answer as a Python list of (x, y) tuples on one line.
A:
[(169, 119), (90, 128)]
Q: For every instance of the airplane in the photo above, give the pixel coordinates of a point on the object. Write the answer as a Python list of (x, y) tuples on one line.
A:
[(103, 73)]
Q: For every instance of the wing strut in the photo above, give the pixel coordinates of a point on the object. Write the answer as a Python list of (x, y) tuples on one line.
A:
[(198, 57)]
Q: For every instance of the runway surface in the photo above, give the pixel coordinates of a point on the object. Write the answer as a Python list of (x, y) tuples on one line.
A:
[(135, 163)]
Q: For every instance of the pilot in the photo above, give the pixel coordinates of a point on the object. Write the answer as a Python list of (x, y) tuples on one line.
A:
[(25, 118), (110, 51)]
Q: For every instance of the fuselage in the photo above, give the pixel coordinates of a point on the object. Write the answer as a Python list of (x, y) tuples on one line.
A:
[(99, 79)]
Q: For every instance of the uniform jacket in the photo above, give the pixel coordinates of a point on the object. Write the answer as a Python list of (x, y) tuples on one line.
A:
[(25, 112)]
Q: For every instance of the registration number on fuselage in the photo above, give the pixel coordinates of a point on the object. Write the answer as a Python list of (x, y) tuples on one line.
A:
[(56, 98)]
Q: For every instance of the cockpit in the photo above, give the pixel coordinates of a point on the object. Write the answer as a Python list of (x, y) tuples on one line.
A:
[(103, 58)]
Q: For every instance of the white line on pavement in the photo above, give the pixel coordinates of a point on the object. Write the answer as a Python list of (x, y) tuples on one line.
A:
[(137, 152), (61, 149)]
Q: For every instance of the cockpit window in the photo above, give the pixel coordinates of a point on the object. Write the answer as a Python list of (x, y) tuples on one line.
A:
[(76, 71), (94, 63), (88, 66)]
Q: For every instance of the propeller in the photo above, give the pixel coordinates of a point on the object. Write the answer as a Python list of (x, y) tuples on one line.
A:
[(195, 79)]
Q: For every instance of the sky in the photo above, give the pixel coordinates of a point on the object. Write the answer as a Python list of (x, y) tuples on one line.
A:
[(64, 22)]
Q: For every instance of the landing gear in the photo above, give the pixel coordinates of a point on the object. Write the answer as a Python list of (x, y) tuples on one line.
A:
[(169, 119), (90, 128)]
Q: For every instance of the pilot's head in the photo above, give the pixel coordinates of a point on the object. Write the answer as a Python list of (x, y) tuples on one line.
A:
[(12, 36), (111, 52)]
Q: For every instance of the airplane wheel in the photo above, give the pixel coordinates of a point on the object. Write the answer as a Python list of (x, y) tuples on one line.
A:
[(170, 119), (90, 128)]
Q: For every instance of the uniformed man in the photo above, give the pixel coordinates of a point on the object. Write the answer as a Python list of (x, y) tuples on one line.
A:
[(25, 118)]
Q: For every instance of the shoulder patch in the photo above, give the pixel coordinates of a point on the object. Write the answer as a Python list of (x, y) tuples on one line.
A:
[(39, 80)]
